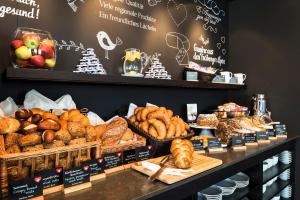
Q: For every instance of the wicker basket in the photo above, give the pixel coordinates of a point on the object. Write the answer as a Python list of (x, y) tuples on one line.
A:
[(160, 147)]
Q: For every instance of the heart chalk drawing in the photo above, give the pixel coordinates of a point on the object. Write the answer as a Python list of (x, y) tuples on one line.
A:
[(86, 168), (223, 39), (58, 170), (100, 160), (37, 179), (177, 12), (224, 52), (219, 45)]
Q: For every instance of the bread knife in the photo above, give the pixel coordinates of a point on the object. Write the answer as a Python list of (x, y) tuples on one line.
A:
[(162, 165)]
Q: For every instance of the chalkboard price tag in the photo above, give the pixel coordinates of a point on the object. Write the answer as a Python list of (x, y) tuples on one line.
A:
[(214, 143), (237, 141), (198, 145), (96, 166), (280, 129), (51, 177), (112, 160), (262, 136), (129, 156), (77, 176), (271, 133), (250, 138), (26, 188), (143, 153)]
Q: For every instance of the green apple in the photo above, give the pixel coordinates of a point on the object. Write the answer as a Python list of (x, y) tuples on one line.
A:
[(50, 63), (23, 53)]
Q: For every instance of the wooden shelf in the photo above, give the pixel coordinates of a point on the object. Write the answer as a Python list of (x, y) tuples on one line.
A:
[(64, 76)]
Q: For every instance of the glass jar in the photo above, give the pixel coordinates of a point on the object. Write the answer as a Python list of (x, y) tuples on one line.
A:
[(32, 48), (133, 63)]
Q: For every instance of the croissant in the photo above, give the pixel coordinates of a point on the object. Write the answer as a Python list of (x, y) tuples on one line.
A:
[(182, 151)]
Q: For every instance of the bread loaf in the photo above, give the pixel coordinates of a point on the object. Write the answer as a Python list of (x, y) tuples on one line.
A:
[(9, 125), (182, 152)]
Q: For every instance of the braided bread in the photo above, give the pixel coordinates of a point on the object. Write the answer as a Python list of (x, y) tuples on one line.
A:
[(182, 151)]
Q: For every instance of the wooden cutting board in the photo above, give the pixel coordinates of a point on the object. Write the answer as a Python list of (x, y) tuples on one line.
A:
[(200, 164)]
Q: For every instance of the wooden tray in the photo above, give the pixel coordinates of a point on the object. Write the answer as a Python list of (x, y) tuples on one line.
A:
[(200, 164)]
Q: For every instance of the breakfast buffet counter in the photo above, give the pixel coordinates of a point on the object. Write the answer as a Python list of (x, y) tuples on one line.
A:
[(130, 184)]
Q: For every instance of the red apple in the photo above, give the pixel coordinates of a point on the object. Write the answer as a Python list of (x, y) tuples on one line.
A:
[(37, 60), (47, 51), (49, 43), (31, 40), (17, 43)]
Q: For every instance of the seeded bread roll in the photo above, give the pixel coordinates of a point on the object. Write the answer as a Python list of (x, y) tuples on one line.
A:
[(30, 140), (9, 125), (11, 139)]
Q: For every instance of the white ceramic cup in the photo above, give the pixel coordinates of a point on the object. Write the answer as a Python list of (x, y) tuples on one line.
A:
[(240, 77), (227, 75)]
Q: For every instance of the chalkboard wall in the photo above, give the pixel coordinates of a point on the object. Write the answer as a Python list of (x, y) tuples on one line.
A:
[(178, 31)]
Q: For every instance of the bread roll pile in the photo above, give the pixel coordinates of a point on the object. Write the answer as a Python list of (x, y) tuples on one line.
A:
[(182, 152), (159, 122)]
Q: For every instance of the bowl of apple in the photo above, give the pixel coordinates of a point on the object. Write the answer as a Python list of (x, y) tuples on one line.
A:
[(32, 48)]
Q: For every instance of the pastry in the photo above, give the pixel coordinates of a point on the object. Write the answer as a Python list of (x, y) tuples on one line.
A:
[(144, 126), (37, 111), (11, 139), (48, 136), (207, 120), (160, 128), (132, 119), (152, 131), (75, 116), (171, 130), (48, 115), (35, 118), (54, 144), (27, 127), (63, 124), (170, 113), (100, 129), (49, 124), (182, 152), (161, 115), (90, 134), (137, 110), (128, 135), (77, 141), (9, 125), (63, 135), (64, 116), (114, 131), (34, 148), (23, 114), (30, 140), (13, 149), (146, 111), (76, 129)]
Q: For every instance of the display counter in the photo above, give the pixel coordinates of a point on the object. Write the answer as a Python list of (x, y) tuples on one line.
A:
[(130, 184)]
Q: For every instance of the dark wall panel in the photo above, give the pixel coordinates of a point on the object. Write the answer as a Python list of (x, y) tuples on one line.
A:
[(264, 43)]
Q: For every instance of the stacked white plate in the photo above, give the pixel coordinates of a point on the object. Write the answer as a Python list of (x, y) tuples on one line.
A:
[(241, 180), (227, 186), (276, 197), (210, 193), (270, 162), (285, 157), (270, 182), (286, 192), (285, 175)]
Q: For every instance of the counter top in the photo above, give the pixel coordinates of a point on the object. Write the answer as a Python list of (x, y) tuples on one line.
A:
[(130, 184)]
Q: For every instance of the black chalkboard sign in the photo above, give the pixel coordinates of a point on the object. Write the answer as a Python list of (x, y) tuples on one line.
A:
[(271, 132), (250, 137), (280, 129), (237, 141), (95, 33), (214, 143), (96, 166), (198, 145), (25, 188), (112, 160), (51, 177), (76, 176), (129, 156), (262, 136), (143, 153)]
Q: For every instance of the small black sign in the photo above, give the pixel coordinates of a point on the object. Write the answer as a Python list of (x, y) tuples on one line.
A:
[(112, 160), (214, 143), (143, 153), (262, 136), (280, 129), (237, 141), (250, 137), (129, 156), (198, 145), (51, 177), (76, 176), (96, 166), (271, 132), (25, 188)]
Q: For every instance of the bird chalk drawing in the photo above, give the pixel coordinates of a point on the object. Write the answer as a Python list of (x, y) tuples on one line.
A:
[(182, 44), (224, 52), (211, 5), (153, 2), (68, 46), (220, 45), (178, 12), (106, 43), (204, 41), (223, 39), (72, 4)]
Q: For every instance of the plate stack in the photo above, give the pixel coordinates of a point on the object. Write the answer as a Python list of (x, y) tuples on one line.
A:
[(285, 157), (241, 180), (286, 192), (285, 175), (210, 193), (276, 197), (227, 186)]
